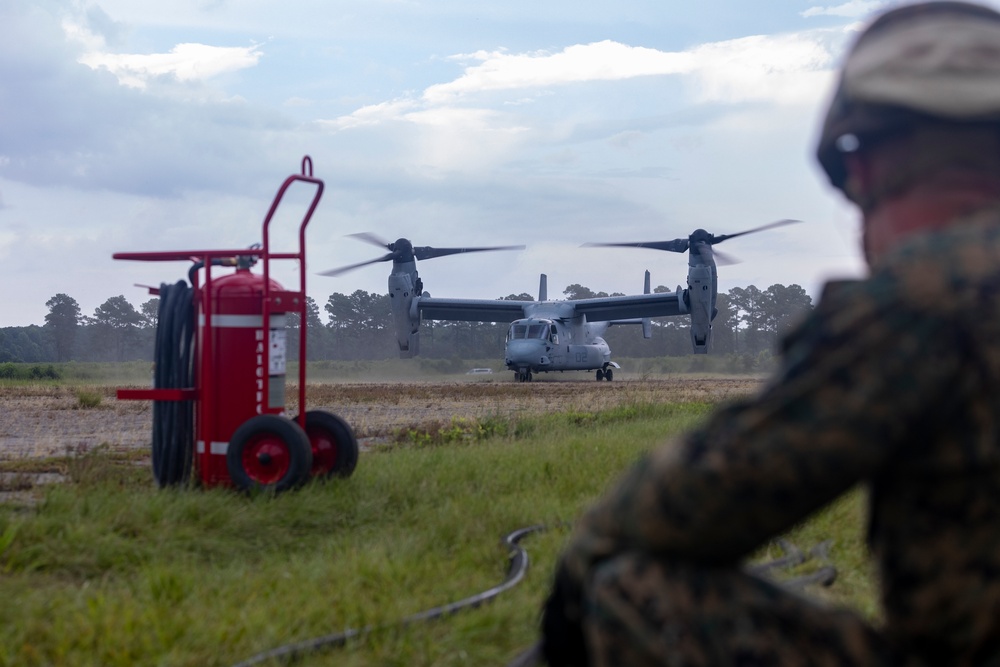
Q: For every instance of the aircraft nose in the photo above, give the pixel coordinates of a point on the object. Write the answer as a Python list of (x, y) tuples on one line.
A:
[(525, 350)]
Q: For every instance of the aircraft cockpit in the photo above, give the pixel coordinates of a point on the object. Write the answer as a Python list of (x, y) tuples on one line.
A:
[(533, 329)]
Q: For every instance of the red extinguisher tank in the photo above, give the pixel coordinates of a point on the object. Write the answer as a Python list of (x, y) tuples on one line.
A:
[(242, 366), (243, 436)]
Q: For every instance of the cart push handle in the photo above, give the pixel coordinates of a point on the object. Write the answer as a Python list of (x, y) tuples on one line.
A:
[(307, 177), (208, 255)]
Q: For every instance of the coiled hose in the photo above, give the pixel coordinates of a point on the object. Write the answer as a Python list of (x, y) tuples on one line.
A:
[(173, 421)]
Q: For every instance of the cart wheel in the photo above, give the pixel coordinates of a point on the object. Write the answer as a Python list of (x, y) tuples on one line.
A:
[(269, 452), (334, 447)]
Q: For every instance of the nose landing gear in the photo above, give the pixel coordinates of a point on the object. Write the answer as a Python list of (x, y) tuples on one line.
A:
[(523, 375)]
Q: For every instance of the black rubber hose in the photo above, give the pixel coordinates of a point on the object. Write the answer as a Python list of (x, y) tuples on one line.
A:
[(173, 421), (532, 656), (515, 573)]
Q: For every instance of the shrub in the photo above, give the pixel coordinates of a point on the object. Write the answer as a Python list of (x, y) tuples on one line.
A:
[(87, 399)]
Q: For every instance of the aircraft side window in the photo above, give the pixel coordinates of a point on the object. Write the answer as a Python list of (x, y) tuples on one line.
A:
[(553, 335)]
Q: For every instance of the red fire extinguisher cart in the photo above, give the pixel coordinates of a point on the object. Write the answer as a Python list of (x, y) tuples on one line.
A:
[(220, 372)]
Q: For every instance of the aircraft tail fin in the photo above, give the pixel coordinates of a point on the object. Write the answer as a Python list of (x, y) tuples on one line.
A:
[(647, 325), (543, 288)]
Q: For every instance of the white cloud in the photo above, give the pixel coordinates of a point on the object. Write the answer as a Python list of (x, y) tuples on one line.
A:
[(787, 69), (851, 9), (738, 70), (185, 62), (598, 61), (468, 123), (372, 114), (782, 69)]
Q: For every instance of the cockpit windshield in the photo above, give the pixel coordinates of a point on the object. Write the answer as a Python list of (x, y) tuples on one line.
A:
[(528, 330)]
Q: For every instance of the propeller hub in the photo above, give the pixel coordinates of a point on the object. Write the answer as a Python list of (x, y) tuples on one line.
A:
[(701, 236), (402, 250)]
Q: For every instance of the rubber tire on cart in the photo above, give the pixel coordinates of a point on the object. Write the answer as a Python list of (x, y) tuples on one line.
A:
[(334, 447), (269, 453)]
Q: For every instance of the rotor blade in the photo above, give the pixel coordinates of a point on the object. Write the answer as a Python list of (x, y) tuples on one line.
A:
[(368, 237), (707, 252), (677, 245), (724, 259), (779, 223), (704, 251), (350, 267), (427, 252)]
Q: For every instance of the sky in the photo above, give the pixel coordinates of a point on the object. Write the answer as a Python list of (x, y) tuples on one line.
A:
[(132, 125)]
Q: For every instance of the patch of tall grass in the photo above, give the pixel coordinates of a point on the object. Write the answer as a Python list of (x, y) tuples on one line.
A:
[(74, 373), (106, 569)]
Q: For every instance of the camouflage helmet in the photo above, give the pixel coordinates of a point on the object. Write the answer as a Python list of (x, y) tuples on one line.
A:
[(934, 61)]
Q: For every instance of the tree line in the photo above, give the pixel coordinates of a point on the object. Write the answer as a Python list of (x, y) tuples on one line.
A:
[(359, 325)]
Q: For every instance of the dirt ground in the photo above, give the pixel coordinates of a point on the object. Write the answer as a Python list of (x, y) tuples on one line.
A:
[(42, 421)]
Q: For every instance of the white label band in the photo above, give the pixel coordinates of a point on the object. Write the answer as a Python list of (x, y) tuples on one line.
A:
[(243, 321)]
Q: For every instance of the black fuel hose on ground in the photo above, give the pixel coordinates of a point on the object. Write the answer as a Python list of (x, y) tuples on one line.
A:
[(515, 573), (173, 421), (532, 656)]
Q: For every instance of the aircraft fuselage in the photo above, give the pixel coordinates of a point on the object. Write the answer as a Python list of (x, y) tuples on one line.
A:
[(539, 344)]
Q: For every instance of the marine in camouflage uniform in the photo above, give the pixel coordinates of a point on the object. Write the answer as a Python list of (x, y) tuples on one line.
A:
[(892, 382)]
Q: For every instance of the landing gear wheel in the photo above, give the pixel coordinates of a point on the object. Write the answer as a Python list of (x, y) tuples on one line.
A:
[(609, 374), (268, 453), (334, 447), (600, 374)]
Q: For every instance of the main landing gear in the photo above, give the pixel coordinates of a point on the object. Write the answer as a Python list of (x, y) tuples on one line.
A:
[(605, 373)]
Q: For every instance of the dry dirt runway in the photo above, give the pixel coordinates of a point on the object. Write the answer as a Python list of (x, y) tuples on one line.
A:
[(41, 421)]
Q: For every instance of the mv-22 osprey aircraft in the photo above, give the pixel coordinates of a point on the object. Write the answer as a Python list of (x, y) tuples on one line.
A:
[(560, 335)]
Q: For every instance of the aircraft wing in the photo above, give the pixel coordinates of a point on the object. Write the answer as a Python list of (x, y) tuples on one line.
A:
[(469, 310), (610, 308)]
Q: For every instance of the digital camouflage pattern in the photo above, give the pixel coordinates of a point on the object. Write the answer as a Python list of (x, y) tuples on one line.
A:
[(649, 611), (892, 382)]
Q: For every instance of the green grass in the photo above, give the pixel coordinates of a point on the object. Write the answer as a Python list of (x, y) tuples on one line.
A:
[(107, 570), (141, 372)]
